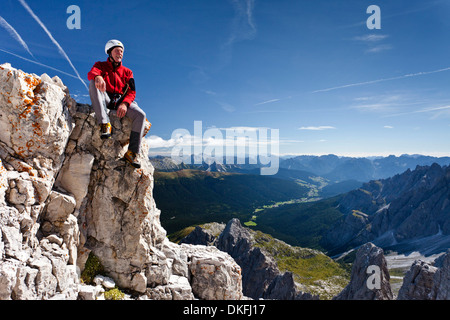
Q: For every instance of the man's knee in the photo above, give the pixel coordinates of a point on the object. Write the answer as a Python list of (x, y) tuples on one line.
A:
[(92, 86), (94, 93), (138, 112)]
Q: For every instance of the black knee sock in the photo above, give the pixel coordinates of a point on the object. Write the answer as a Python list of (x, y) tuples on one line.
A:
[(135, 142)]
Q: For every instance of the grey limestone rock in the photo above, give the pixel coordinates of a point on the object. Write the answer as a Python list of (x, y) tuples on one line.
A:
[(441, 279), (427, 281), (370, 276), (418, 282)]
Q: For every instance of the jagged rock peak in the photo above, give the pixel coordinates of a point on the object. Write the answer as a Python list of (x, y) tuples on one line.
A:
[(418, 282), (370, 276), (257, 254), (427, 281), (441, 279)]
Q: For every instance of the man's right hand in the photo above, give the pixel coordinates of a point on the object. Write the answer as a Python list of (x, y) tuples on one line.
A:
[(100, 84)]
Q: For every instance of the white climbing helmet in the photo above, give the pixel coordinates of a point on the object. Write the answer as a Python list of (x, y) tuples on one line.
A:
[(112, 44)]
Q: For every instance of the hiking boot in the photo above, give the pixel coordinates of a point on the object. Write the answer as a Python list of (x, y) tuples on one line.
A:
[(131, 157), (105, 130)]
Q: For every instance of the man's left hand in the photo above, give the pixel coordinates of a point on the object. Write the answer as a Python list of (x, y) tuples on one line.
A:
[(122, 110)]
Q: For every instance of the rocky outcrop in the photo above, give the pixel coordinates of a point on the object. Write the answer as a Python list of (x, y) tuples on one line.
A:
[(213, 275), (441, 279), (65, 194), (261, 277), (115, 208), (283, 287), (201, 272), (370, 276), (418, 282), (257, 267), (427, 281), (36, 126), (204, 235)]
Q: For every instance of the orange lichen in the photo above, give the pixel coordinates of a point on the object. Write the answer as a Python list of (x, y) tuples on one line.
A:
[(23, 167), (37, 129), (31, 81), (25, 113), (20, 152)]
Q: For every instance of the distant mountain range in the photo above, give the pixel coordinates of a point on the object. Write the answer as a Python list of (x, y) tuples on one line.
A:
[(338, 169), (328, 175), (331, 167)]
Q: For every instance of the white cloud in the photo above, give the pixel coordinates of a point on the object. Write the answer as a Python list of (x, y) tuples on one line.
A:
[(373, 42), (371, 37), (226, 106), (362, 99), (243, 128), (373, 107), (156, 142), (243, 28), (382, 47), (319, 128), (388, 127), (219, 137)]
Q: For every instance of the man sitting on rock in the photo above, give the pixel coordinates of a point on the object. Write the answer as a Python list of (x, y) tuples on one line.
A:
[(112, 87)]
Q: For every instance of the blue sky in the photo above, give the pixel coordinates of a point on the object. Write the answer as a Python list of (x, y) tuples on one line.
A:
[(311, 69)]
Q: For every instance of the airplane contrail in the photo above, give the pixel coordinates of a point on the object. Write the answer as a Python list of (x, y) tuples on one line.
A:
[(266, 102), (39, 64), (14, 34), (410, 75), (61, 50), (382, 80)]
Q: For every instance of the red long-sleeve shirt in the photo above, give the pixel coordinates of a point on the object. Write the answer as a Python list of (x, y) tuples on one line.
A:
[(115, 77)]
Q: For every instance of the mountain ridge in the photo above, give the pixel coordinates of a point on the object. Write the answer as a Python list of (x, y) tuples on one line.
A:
[(401, 209), (362, 169), (330, 166)]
